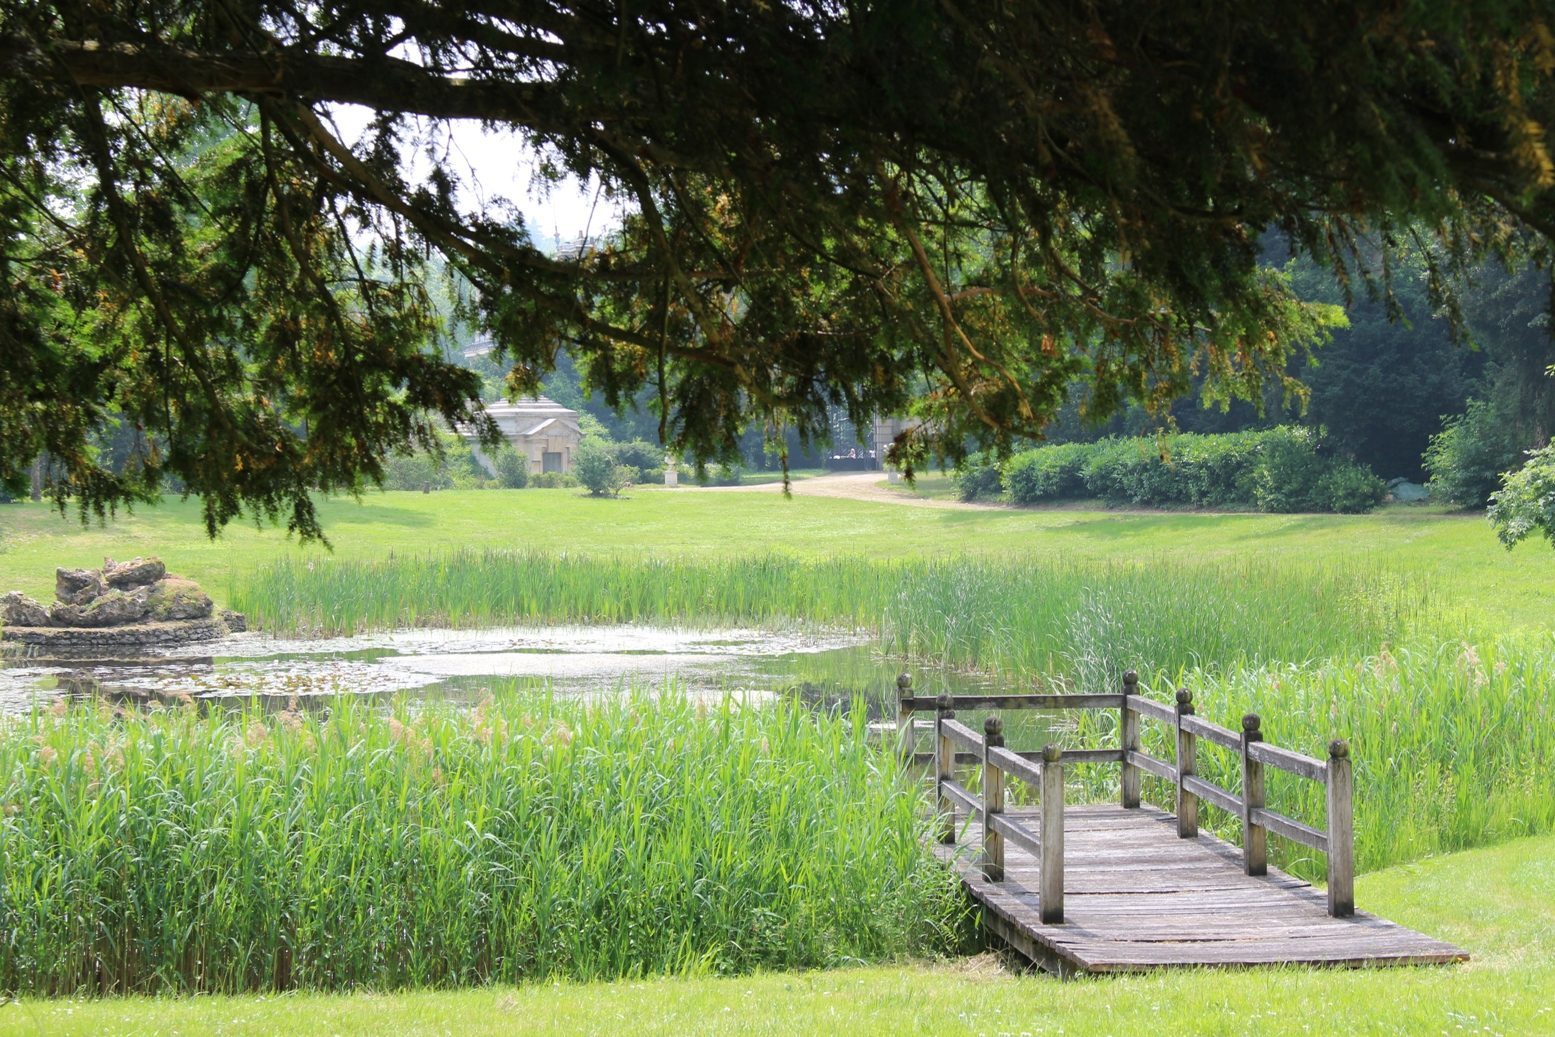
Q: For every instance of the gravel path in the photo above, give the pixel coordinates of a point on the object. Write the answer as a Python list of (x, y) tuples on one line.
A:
[(865, 486)]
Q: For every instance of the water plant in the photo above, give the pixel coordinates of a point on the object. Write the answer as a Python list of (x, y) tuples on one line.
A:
[(1021, 616), (531, 837)]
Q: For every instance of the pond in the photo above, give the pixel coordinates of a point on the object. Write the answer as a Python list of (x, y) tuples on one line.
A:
[(825, 668)]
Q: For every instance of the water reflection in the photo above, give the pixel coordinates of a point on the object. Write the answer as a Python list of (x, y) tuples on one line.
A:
[(825, 668)]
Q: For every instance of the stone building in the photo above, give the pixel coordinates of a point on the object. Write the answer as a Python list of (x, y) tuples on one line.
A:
[(538, 428)]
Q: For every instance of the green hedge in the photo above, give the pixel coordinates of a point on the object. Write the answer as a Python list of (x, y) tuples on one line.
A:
[(1281, 469)]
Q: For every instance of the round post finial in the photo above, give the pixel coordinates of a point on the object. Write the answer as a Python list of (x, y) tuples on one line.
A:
[(1051, 753), (1184, 697), (904, 682), (1251, 725), (1338, 749), (944, 702), (1130, 678), (993, 727)]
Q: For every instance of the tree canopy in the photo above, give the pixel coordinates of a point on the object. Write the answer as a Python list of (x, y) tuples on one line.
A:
[(958, 207)]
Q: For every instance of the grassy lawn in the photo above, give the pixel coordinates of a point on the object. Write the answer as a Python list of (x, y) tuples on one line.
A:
[(1456, 555), (1497, 903)]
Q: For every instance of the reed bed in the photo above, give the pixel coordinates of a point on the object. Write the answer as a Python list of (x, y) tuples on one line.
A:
[(1027, 616), (1454, 745), (177, 852)]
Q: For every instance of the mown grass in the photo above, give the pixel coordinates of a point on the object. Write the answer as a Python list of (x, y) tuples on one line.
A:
[(1454, 555), (177, 853), (1498, 903)]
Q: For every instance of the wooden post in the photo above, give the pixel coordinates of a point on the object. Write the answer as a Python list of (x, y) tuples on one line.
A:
[(1129, 730), (906, 736), (1187, 752), (1255, 838), (1051, 844), (1341, 831), (944, 769), (993, 801)]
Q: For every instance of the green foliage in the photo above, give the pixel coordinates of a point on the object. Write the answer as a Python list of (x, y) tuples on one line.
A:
[(877, 209), (1277, 469), (640, 456), (448, 464), (1525, 503), (720, 473), (1047, 473), (1467, 457), (512, 469), (529, 838), (1290, 473), (596, 470), (979, 477), (552, 480), (1350, 488)]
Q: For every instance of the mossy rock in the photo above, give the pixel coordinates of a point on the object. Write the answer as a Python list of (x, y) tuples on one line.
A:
[(113, 609), (137, 572), (177, 598)]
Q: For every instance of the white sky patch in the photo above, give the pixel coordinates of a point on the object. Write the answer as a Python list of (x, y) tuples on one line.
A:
[(498, 171)]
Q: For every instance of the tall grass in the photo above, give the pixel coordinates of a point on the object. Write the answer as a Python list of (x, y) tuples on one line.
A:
[(1453, 745), (1031, 616), (527, 838)]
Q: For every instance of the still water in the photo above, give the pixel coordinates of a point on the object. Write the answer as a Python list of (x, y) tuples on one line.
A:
[(823, 667)]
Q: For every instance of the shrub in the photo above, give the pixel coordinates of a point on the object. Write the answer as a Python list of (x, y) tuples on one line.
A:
[(1350, 488), (1289, 472), (1118, 471), (979, 478), (597, 470), (1047, 473), (512, 469), (720, 473), (552, 480), (641, 456), (418, 471), (1527, 500), (1466, 458)]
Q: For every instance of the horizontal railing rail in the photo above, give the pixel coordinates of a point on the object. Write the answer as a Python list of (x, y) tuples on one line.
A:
[(958, 744)]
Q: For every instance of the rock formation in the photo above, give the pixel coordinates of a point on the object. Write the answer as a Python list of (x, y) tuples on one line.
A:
[(132, 604)]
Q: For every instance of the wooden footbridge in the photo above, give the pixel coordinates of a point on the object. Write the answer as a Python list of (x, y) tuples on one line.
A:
[(1128, 887)]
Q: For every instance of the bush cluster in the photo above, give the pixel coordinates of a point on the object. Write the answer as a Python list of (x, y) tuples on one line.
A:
[(1281, 469), (1466, 458)]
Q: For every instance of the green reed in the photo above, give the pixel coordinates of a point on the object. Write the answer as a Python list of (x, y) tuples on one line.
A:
[(1453, 745), (526, 838), (1086, 622)]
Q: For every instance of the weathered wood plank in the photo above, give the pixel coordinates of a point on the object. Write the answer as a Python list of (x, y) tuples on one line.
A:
[(1213, 793), (1149, 764), (1135, 897), (1293, 762), (958, 794), (959, 734), (1290, 828), (1016, 764), (973, 703), (1153, 709), (1015, 833), (1223, 737)]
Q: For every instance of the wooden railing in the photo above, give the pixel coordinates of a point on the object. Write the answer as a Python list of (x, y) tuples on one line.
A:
[(955, 743)]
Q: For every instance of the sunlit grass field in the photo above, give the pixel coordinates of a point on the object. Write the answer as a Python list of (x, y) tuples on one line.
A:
[(1410, 631), (1454, 556)]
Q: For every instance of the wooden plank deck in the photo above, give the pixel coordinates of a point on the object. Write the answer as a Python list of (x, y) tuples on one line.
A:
[(1138, 897)]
